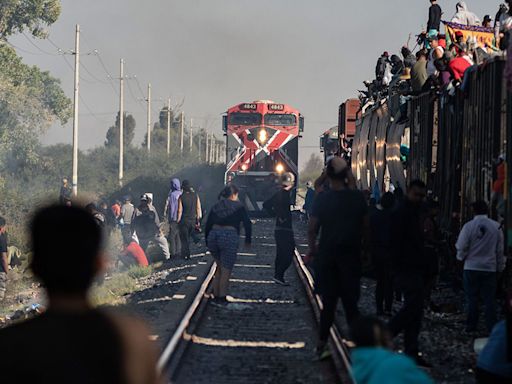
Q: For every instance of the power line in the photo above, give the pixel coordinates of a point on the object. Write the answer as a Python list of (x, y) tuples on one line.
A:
[(130, 90), (109, 75), (140, 88), (92, 75), (39, 48), (22, 50)]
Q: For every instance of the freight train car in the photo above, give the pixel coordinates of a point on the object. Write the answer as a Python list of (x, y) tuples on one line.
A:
[(262, 142), (452, 142)]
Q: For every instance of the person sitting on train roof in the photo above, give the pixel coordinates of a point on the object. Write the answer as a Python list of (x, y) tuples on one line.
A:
[(461, 63), (464, 16), (374, 362), (73, 341), (419, 71)]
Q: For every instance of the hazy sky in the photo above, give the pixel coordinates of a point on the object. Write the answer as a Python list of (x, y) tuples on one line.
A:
[(312, 54)]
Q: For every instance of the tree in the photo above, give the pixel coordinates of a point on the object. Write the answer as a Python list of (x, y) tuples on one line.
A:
[(16, 16), (30, 101), (159, 132), (112, 138), (313, 168)]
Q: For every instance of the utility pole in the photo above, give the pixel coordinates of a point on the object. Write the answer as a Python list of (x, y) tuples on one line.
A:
[(182, 128), (74, 180), (169, 126), (199, 145), (191, 134), (149, 118), (212, 147), (121, 122), (206, 147)]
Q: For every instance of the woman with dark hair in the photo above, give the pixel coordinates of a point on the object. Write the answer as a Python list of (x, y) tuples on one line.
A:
[(222, 238), (374, 362)]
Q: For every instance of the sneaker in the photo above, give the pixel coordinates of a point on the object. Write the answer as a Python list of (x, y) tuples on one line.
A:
[(280, 281), (322, 352)]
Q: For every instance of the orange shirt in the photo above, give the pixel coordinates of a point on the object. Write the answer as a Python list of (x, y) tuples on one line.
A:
[(116, 210)]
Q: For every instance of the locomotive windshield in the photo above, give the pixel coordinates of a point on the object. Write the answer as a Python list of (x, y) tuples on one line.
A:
[(239, 118), (280, 119)]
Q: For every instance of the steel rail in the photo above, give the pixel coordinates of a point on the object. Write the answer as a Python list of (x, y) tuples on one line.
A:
[(341, 356), (177, 336)]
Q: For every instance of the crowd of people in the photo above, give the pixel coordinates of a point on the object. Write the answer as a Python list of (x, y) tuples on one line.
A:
[(141, 226), (441, 60), (398, 230), (401, 234)]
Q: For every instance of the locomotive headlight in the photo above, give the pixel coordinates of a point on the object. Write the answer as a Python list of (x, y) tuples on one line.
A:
[(262, 135), (244, 167), (279, 168)]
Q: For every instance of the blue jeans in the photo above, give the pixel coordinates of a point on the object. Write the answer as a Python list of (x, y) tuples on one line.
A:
[(480, 284)]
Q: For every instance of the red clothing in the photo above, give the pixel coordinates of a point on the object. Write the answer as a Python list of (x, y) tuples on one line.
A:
[(134, 250), (116, 210), (499, 183), (458, 67)]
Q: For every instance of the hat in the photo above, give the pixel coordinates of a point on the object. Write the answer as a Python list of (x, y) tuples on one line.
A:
[(487, 18), (309, 184), (432, 35), (386, 54), (288, 179), (144, 197)]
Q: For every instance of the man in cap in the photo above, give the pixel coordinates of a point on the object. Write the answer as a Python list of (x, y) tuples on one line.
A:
[(436, 52), (341, 216), (461, 63), (279, 206), (487, 21), (146, 225)]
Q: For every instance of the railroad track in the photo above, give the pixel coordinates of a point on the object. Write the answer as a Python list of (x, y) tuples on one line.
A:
[(270, 336)]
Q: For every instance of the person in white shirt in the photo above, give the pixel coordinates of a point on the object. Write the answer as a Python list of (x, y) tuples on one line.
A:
[(480, 247)]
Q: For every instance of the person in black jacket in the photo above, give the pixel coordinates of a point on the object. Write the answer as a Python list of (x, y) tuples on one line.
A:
[(279, 206), (381, 222), (410, 267), (434, 17), (222, 238)]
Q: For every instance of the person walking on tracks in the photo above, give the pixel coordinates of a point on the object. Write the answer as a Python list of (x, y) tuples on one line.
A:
[(341, 216), (480, 247), (381, 223), (222, 238), (73, 341), (189, 216), (171, 212), (410, 268), (279, 206)]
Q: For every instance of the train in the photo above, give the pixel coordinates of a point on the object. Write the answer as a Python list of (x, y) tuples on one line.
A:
[(453, 142), (338, 140), (262, 143)]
